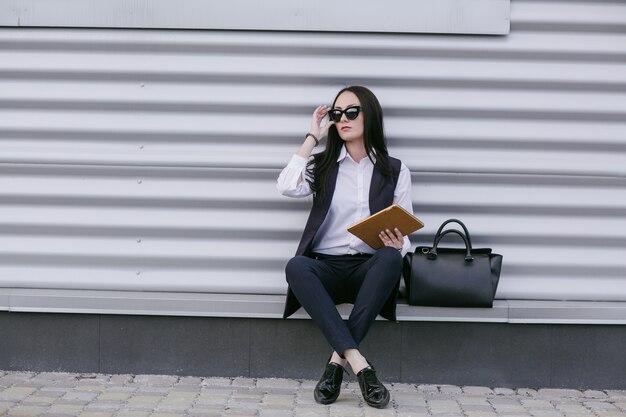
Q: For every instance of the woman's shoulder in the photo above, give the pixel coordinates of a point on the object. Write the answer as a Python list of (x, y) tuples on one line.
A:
[(395, 164)]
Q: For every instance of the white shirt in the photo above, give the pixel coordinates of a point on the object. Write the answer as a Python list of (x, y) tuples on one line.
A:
[(350, 202)]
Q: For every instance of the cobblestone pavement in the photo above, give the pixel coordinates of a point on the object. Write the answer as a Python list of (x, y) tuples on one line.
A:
[(96, 395)]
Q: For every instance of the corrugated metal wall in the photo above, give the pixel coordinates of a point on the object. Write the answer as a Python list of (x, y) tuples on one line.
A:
[(145, 160)]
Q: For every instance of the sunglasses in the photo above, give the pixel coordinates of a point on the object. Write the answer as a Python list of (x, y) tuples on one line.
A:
[(351, 113)]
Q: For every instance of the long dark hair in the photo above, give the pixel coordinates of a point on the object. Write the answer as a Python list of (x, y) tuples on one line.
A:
[(320, 166)]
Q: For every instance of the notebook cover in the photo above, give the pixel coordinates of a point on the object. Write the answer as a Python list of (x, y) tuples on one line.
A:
[(393, 216)]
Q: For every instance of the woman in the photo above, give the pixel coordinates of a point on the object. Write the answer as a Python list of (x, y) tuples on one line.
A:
[(352, 178)]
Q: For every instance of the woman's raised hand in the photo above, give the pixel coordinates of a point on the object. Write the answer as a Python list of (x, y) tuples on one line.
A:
[(317, 130), (316, 122)]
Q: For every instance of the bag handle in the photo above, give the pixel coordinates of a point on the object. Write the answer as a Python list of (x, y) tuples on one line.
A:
[(467, 234), (432, 254)]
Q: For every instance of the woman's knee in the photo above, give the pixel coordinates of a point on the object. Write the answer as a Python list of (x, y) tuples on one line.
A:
[(391, 256), (295, 267)]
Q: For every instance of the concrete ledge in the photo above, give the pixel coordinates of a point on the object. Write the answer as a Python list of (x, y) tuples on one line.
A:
[(271, 306), (567, 312), (582, 356)]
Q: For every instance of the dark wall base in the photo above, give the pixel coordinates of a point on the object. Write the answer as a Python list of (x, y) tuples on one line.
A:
[(486, 354)]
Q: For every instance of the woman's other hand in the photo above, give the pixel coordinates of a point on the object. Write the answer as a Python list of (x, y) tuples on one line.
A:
[(393, 239)]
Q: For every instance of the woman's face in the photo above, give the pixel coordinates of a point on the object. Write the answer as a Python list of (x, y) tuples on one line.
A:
[(349, 130)]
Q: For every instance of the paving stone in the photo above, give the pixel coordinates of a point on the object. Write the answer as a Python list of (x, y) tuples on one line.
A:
[(7, 404), (307, 399), (19, 376), (503, 391), (615, 394), (190, 380), (528, 392), (95, 414), (443, 407), (196, 389), (65, 409), (245, 398), (410, 413), (221, 382), (311, 410), (34, 399), (594, 394), (409, 399), (50, 392), (182, 395), (81, 396), (374, 412), (103, 408), (133, 413), (239, 412), (172, 408), (427, 388), (16, 393), (351, 385), (308, 384), (279, 400), (535, 403), (114, 396), (474, 407), (598, 405), (80, 403), (345, 412), (156, 380), (450, 389), (120, 379), (26, 411), (277, 383), (213, 399), (275, 413), (399, 387), (299, 413), (144, 399), (243, 382), (158, 414), (472, 400), (90, 388), (480, 413), (473, 390), (152, 391), (509, 408), (552, 392)]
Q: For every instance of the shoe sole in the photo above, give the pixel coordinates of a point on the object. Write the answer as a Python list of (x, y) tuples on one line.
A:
[(325, 401), (382, 405)]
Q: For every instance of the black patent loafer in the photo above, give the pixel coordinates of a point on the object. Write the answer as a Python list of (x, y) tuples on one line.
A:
[(328, 388), (374, 392)]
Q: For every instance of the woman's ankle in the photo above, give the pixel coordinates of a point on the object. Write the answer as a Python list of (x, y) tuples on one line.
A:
[(335, 358), (356, 360)]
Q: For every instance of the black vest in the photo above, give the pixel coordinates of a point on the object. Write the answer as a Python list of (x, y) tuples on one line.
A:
[(381, 196)]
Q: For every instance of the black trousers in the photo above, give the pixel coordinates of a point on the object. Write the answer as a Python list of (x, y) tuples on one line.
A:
[(363, 280)]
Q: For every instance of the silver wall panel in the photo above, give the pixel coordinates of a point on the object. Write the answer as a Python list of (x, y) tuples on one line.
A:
[(433, 16), (145, 161)]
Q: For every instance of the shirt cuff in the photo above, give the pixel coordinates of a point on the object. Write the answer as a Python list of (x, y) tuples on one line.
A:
[(298, 161)]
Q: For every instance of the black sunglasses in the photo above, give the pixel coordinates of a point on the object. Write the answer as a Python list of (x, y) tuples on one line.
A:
[(351, 113)]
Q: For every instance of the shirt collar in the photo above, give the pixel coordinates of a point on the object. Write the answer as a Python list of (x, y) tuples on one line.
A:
[(344, 153)]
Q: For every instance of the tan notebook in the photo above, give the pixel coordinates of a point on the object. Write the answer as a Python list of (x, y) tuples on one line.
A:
[(393, 216)]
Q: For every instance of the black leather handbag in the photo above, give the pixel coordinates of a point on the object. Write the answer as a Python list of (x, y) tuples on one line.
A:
[(452, 277)]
